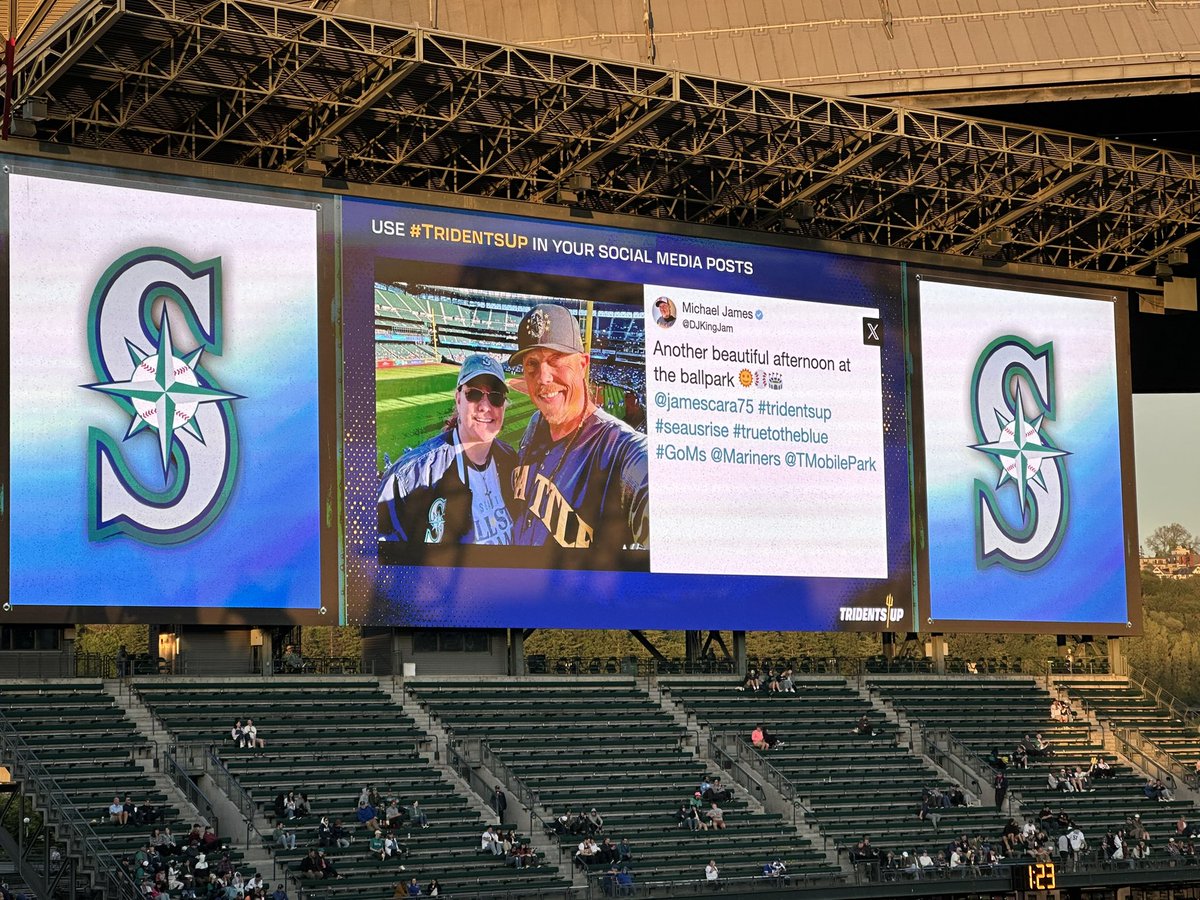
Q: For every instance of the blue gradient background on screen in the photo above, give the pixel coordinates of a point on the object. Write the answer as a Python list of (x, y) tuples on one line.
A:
[(1085, 580), (498, 597), (263, 550)]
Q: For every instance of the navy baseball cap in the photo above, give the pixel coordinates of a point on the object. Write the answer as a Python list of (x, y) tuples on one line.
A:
[(549, 326), (479, 364)]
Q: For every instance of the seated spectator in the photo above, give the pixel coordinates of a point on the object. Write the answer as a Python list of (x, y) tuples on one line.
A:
[(1020, 757), (1101, 769), (595, 822), (685, 817), (415, 814), (393, 847), (716, 792), (996, 761), (414, 888), (585, 854), (787, 682), (375, 844), (624, 851), (340, 834), (562, 823), (291, 661), (716, 817), (434, 889), (116, 812), (757, 740), (284, 839), (366, 816), (324, 832), (752, 682), (711, 872), (237, 734), (490, 842), (311, 867), (250, 735), (864, 726)]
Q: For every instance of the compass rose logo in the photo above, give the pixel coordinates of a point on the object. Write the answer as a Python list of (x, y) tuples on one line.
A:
[(1012, 402), (139, 362), (164, 391)]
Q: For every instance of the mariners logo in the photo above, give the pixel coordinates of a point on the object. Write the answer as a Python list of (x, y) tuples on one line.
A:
[(437, 521), (539, 324), (175, 404), (1021, 519)]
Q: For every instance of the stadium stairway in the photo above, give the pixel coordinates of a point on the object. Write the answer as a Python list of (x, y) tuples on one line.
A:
[(851, 785), (1167, 736), (471, 782), (229, 818), (93, 752), (328, 738), (986, 712), (577, 742)]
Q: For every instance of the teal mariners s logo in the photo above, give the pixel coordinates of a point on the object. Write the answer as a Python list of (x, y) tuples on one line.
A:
[(182, 436), (1021, 519)]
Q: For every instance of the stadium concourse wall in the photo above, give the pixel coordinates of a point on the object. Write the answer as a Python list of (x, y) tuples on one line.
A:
[(218, 292)]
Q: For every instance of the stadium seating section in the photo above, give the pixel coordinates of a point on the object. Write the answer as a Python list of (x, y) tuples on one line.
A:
[(328, 739), (600, 740)]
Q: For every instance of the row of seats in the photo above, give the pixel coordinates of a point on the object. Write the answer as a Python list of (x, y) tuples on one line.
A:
[(328, 739), (603, 743), (989, 714), (853, 785), (88, 747)]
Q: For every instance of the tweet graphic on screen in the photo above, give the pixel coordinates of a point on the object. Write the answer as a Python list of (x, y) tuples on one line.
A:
[(765, 422)]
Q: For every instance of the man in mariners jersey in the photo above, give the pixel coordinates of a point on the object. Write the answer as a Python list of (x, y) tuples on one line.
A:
[(455, 488), (581, 478)]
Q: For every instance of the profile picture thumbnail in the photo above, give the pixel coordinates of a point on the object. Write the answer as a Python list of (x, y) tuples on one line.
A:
[(664, 312)]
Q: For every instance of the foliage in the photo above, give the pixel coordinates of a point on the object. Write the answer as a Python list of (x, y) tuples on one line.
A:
[(332, 640), (1166, 538), (105, 639)]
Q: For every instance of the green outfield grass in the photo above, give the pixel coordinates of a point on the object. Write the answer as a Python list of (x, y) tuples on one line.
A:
[(412, 403)]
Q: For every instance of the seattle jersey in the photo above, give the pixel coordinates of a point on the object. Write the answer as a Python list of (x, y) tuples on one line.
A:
[(434, 494), (588, 490)]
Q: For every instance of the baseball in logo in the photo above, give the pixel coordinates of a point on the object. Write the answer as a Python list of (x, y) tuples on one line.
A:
[(172, 400), (1012, 403)]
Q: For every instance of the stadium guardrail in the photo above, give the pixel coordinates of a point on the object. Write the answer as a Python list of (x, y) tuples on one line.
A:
[(108, 874), (738, 757), (1164, 698)]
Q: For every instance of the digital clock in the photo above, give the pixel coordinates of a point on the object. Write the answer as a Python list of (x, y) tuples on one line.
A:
[(1034, 877)]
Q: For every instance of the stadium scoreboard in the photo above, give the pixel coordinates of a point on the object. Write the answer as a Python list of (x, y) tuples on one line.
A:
[(771, 438)]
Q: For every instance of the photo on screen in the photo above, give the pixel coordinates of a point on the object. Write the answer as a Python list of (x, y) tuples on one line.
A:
[(510, 425)]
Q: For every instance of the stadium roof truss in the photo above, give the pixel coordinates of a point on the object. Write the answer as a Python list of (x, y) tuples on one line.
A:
[(264, 85)]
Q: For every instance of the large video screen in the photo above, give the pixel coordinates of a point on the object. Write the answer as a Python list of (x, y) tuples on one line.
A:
[(556, 424), (164, 460), (1026, 454)]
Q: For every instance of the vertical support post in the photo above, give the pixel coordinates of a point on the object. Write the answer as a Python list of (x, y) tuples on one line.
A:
[(1117, 663), (739, 652), (516, 651)]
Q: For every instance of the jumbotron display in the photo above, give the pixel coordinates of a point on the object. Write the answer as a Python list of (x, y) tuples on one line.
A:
[(164, 458), (580, 426), (1026, 436)]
